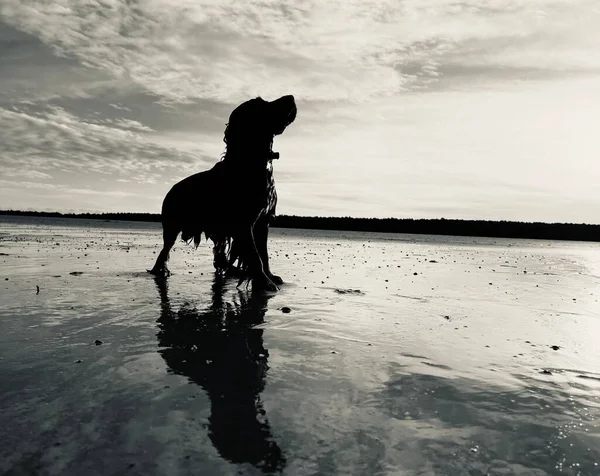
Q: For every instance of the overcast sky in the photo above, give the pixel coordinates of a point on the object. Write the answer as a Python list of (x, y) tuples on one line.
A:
[(484, 109)]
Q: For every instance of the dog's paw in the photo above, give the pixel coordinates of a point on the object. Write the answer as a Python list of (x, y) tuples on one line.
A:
[(276, 279), (270, 286), (160, 273), (264, 283)]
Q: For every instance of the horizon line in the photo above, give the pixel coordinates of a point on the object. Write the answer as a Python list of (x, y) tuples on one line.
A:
[(318, 217)]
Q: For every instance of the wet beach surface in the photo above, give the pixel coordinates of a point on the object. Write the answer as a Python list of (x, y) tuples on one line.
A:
[(400, 355)]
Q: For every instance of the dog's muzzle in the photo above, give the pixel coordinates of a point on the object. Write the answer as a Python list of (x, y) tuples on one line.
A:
[(285, 110)]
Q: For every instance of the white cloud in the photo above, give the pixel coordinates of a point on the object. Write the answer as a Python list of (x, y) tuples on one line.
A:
[(68, 198), (50, 138), (412, 107), (352, 50), (23, 174)]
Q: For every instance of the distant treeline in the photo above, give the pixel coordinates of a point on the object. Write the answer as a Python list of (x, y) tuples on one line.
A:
[(441, 226), (151, 217)]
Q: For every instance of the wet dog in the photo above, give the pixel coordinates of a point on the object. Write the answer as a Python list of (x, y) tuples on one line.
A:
[(234, 202)]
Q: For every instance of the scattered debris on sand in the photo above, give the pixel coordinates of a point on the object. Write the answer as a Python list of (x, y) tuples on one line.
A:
[(98, 342), (286, 310), (76, 273), (554, 347), (37, 289), (349, 291)]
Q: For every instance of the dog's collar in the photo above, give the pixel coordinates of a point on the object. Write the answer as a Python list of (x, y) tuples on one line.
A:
[(269, 158)]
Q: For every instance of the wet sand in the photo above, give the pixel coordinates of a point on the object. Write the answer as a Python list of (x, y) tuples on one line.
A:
[(400, 355)]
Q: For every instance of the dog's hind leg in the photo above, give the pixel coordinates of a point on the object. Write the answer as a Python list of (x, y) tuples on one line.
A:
[(220, 247), (234, 256), (170, 233)]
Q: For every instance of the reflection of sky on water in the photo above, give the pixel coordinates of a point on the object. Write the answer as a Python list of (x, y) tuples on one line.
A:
[(469, 427), (372, 382)]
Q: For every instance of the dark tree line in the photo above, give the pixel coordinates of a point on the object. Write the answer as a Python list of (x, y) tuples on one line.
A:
[(148, 217), (441, 226)]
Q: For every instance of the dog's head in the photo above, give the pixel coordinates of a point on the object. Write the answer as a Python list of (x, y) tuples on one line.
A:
[(253, 125)]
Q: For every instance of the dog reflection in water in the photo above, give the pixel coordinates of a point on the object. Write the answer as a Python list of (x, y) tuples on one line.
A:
[(221, 350)]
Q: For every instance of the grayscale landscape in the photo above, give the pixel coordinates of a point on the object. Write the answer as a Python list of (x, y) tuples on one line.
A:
[(381, 354)]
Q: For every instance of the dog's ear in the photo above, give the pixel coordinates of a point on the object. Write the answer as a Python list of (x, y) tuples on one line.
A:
[(245, 120), (248, 112), (253, 125), (248, 124)]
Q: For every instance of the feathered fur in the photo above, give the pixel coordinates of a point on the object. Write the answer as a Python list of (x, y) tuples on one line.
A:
[(234, 201)]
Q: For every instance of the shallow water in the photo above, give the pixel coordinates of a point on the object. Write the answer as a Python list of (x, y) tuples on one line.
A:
[(402, 355)]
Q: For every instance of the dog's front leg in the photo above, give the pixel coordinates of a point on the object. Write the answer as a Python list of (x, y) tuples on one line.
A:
[(253, 259), (261, 236)]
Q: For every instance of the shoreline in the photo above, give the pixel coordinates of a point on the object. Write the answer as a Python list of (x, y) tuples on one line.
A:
[(435, 226)]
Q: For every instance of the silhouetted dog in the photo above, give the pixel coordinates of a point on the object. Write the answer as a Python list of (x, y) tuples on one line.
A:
[(221, 350), (233, 203)]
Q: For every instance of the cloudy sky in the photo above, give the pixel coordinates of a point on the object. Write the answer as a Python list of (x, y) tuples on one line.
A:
[(485, 109)]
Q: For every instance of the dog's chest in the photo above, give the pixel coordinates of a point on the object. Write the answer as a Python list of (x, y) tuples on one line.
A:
[(271, 193), (252, 192)]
